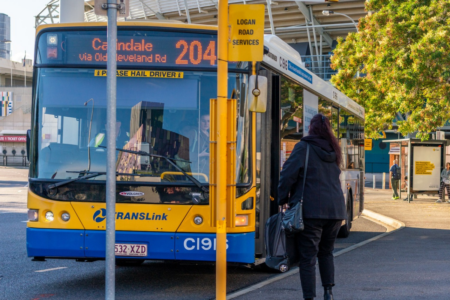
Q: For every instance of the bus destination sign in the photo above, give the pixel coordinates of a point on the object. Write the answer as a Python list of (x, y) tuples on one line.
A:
[(78, 48)]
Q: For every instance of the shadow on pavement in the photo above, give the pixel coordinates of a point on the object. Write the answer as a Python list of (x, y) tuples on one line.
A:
[(9, 184)]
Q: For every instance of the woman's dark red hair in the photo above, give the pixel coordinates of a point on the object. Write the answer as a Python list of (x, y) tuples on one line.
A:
[(320, 126)]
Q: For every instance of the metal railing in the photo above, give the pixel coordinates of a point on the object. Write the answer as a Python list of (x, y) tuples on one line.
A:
[(14, 160), (319, 65)]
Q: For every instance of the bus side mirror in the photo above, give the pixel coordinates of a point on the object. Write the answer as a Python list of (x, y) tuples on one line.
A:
[(257, 95), (28, 143)]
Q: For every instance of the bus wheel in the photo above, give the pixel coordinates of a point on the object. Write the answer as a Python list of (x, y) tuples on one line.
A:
[(123, 262), (344, 231)]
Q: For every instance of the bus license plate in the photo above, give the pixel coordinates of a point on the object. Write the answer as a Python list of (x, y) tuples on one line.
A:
[(131, 250)]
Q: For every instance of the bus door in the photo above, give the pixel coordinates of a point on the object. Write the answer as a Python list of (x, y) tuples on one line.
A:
[(281, 129), (264, 205)]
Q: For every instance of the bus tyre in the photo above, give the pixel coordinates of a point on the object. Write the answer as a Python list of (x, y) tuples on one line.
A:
[(344, 231), (123, 262)]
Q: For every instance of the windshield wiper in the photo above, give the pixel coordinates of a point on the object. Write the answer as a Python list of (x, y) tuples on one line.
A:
[(170, 161), (88, 176)]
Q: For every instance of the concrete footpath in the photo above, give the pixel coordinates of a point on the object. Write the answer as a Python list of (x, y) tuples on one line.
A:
[(412, 263)]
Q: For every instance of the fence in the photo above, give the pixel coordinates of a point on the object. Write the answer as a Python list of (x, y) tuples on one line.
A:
[(377, 180), (14, 160), (319, 65)]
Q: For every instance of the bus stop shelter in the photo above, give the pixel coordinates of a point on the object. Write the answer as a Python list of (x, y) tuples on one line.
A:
[(421, 164)]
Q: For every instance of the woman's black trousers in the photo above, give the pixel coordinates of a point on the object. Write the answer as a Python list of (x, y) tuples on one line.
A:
[(317, 242)]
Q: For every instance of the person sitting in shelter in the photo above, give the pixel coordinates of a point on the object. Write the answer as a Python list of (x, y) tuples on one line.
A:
[(445, 183)]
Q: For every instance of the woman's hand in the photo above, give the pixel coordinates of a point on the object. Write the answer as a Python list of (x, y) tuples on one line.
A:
[(285, 207)]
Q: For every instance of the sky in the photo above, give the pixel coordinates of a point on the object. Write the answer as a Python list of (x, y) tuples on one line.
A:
[(22, 13)]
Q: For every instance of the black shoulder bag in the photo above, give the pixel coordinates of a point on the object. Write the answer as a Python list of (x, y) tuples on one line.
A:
[(292, 221)]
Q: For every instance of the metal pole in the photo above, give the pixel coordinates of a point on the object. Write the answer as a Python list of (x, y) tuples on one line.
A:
[(269, 12), (111, 152), (221, 159), (410, 174), (311, 52), (188, 15), (314, 35), (356, 26), (383, 184), (374, 181), (320, 58), (400, 164), (12, 64)]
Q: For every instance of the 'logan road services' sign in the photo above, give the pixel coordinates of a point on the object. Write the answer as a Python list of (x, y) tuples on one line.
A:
[(247, 32)]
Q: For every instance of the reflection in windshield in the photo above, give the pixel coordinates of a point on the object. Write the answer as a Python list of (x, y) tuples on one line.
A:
[(161, 116)]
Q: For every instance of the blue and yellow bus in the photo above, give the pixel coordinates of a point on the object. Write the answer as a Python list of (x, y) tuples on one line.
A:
[(166, 77)]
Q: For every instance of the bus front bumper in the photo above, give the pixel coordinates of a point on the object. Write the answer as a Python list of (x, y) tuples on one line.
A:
[(90, 244)]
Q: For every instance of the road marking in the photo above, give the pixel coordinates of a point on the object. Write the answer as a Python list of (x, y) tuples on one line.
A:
[(52, 269), (388, 222)]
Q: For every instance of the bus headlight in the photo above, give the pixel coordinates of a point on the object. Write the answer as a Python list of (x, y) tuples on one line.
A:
[(33, 215), (49, 216), (198, 220), (65, 217), (241, 220)]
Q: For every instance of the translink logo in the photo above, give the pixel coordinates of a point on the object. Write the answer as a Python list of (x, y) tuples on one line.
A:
[(100, 216)]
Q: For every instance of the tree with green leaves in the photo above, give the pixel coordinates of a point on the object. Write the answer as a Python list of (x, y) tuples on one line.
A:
[(402, 50)]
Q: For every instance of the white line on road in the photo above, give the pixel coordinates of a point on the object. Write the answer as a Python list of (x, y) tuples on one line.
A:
[(52, 269)]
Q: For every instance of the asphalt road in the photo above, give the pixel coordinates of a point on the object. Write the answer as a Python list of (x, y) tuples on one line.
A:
[(408, 264), (21, 278)]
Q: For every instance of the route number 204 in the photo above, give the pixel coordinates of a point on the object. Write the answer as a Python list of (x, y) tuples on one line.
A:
[(196, 54)]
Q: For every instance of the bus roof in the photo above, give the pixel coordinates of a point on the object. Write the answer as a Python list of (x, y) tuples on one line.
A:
[(283, 58)]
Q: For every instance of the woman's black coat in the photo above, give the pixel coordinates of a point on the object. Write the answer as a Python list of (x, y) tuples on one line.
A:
[(323, 197)]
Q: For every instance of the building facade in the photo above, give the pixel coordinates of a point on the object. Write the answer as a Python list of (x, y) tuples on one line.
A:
[(5, 36), (15, 120)]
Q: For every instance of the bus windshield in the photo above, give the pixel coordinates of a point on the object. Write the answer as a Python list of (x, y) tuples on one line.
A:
[(163, 114)]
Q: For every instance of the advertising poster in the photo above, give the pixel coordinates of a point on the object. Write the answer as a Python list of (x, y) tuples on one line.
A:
[(426, 168), (6, 104), (310, 109)]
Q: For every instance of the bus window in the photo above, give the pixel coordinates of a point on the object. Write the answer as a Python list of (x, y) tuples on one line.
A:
[(331, 112), (291, 116), (352, 130), (152, 116)]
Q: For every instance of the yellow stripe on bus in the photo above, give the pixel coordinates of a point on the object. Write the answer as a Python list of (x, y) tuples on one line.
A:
[(144, 74)]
